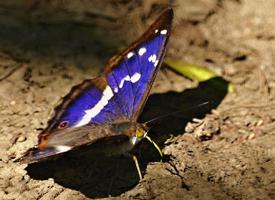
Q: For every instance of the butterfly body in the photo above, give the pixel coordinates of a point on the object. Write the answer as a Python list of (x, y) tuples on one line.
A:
[(104, 110)]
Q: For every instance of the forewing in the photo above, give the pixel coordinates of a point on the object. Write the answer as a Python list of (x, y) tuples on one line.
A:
[(131, 73), (88, 103)]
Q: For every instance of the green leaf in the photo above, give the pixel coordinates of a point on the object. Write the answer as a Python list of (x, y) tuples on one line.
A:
[(198, 73)]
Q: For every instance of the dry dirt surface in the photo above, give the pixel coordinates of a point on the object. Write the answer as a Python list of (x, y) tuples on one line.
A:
[(225, 150)]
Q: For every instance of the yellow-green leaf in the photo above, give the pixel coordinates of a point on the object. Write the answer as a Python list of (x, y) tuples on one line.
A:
[(196, 72)]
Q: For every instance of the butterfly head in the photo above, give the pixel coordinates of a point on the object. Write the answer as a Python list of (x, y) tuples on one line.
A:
[(139, 133)]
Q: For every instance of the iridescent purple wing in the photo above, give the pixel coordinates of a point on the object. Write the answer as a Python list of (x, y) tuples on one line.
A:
[(91, 102), (124, 88), (131, 73)]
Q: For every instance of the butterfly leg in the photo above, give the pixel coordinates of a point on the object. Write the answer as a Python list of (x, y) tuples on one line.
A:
[(155, 145), (137, 166)]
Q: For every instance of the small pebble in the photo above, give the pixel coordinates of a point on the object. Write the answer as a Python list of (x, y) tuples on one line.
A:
[(251, 136), (260, 122), (21, 138)]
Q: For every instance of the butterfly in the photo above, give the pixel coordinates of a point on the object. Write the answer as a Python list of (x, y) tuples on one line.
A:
[(105, 109)]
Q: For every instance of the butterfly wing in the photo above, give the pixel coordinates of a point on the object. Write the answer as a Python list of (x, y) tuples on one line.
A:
[(124, 88), (119, 95), (131, 73), (72, 137)]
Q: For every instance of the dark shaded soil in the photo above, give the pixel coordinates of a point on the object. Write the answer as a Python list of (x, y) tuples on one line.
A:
[(225, 150)]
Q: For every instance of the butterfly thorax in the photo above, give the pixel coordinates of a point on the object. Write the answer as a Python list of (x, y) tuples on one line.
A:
[(131, 129), (126, 136), (123, 135)]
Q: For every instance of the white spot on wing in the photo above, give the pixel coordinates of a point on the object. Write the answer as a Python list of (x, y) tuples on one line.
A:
[(163, 32), (133, 79), (156, 63), (156, 30), (152, 58), (62, 148), (141, 51), (91, 113), (126, 78), (130, 54), (107, 95)]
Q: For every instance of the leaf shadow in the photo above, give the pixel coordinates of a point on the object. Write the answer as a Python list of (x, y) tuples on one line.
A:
[(102, 177)]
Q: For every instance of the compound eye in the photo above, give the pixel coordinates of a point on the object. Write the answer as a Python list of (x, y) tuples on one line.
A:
[(63, 125), (140, 133)]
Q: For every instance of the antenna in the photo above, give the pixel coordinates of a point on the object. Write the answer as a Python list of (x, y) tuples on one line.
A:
[(176, 112)]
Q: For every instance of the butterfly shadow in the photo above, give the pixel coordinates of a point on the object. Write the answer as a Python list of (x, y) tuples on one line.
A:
[(102, 177)]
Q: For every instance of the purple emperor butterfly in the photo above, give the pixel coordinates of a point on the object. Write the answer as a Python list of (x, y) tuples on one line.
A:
[(106, 108)]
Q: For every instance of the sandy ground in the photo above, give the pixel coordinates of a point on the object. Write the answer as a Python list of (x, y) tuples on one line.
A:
[(46, 47)]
